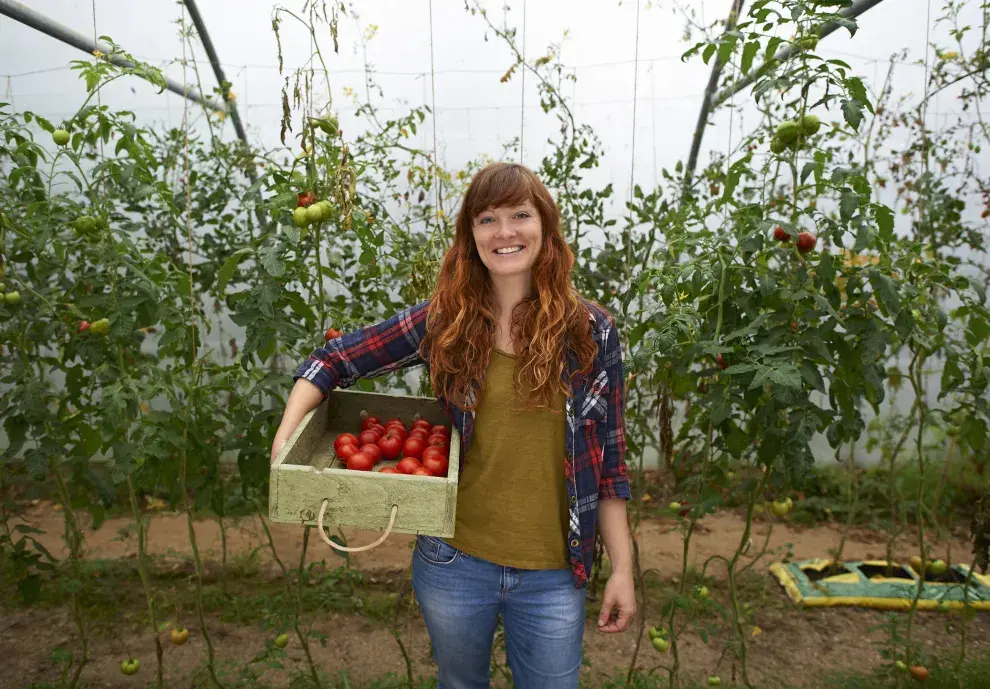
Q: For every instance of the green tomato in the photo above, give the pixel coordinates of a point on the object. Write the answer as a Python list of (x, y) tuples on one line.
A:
[(780, 508), (12, 298), (714, 681), (810, 124), (314, 213), (282, 640), (300, 216), (675, 506), (661, 644), (657, 632), (60, 137), (901, 665), (937, 568), (130, 666), (702, 592), (100, 327), (85, 225), (788, 131), (777, 145), (328, 124)]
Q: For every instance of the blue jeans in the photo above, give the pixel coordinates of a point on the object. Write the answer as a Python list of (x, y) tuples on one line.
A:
[(461, 597)]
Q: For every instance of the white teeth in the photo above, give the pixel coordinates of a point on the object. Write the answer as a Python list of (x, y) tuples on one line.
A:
[(509, 250)]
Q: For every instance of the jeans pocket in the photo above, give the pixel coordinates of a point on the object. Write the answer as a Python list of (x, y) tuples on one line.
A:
[(435, 551)]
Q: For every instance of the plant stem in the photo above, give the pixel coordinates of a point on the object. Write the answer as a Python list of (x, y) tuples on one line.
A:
[(211, 660), (145, 579), (74, 539), (299, 606)]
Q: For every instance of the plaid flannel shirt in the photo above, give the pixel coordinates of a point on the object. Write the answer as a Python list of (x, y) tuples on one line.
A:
[(595, 464)]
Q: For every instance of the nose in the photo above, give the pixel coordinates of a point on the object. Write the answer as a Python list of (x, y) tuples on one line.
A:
[(504, 228)]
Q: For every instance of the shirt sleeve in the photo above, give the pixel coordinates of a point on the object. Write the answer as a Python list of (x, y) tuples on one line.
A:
[(368, 352), (614, 481)]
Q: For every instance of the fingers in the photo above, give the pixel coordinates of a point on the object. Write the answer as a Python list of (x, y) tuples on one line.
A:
[(623, 618)]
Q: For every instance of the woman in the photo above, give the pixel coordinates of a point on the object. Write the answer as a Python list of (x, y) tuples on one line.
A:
[(531, 374)]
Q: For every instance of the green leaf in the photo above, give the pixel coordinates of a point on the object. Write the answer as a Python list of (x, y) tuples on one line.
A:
[(975, 432), (885, 221), (853, 113), (848, 203), (978, 330), (784, 375), (742, 368), (636, 334), (811, 375), (229, 266), (271, 261), (749, 53), (337, 539), (979, 288), (886, 290), (709, 51)]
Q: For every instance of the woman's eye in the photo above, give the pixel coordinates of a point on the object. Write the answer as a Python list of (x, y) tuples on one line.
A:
[(522, 214), (484, 220)]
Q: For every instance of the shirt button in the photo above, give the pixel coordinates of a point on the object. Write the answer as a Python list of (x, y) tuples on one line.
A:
[(573, 499), (575, 543)]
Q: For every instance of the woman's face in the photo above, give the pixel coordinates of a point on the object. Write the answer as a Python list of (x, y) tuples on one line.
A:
[(509, 239)]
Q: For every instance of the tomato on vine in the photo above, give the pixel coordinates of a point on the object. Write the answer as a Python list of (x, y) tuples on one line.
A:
[(130, 666)]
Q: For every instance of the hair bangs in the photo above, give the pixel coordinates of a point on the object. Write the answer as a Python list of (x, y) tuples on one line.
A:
[(499, 186)]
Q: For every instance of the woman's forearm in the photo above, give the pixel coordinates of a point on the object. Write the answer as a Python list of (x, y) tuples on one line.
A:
[(614, 527), (302, 399)]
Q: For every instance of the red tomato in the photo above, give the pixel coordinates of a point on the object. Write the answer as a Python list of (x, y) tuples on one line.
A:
[(331, 334), (344, 439), (419, 433), (377, 428), (360, 462), (441, 430), (347, 451), (407, 465), (421, 471), (388, 470), (413, 447), (431, 452), (368, 437), (396, 422), (422, 423), (436, 464), (400, 433), (369, 422), (438, 441), (305, 199), (373, 451), (391, 445)]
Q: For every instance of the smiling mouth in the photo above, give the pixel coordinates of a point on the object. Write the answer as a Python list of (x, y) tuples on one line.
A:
[(509, 250)]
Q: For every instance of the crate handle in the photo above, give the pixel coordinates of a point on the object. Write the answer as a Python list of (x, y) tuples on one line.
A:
[(355, 549)]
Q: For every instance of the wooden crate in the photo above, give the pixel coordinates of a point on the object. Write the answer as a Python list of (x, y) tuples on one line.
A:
[(307, 471)]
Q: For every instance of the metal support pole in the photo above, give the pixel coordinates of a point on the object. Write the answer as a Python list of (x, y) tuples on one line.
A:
[(37, 21), (211, 52), (706, 102), (711, 102), (858, 8)]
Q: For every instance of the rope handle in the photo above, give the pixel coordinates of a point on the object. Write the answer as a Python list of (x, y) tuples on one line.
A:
[(355, 549)]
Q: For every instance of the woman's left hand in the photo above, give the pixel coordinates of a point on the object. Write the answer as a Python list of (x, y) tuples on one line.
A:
[(620, 594)]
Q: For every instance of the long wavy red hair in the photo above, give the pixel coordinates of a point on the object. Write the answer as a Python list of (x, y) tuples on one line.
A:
[(462, 318)]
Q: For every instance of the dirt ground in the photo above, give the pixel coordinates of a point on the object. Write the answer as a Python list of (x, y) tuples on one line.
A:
[(792, 644)]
